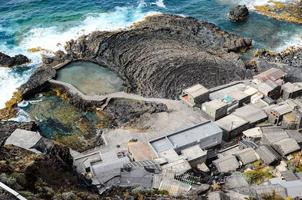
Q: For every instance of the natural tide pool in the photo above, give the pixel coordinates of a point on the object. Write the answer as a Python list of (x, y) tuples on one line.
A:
[(90, 78)]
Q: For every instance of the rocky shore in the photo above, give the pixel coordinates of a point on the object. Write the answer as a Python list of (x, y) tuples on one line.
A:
[(163, 54)]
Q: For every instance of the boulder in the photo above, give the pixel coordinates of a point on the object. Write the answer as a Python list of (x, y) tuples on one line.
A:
[(239, 13), (7, 61)]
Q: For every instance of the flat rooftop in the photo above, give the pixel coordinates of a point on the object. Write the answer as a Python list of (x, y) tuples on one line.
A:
[(186, 137)]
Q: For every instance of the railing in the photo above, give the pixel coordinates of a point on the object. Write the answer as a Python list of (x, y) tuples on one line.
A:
[(11, 191)]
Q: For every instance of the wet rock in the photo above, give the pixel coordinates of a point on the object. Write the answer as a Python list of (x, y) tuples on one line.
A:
[(289, 60), (123, 111), (37, 80), (239, 13), (164, 54), (69, 196), (7, 61)]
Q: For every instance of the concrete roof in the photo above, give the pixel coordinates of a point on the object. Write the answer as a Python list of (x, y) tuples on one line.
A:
[(293, 188), (136, 176), (226, 164), (140, 151), (267, 86), (189, 136), (196, 90), (215, 104), (291, 87), (253, 132), (24, 139), (272, 134), (178, 167), (231, 122), (220, 94), (236, 180), (295, 134), (272, 74), (170, 155), (174, 187), (193, 153), (282, 109), (251, 113), (286, 146)]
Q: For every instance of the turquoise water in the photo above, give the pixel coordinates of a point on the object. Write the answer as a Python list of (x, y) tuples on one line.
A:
[(48, 24), (90, 78)]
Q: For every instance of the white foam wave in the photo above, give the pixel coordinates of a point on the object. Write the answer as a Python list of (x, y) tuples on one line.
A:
[(293, 41), (252, 3), (160, 3), (53, 38)]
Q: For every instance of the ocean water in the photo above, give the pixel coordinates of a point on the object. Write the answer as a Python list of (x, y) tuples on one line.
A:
[(48, 24)]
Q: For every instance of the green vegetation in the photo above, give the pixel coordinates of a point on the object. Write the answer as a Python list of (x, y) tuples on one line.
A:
[(258, 176)]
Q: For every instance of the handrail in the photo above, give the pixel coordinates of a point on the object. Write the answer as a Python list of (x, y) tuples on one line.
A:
[(11, 191)]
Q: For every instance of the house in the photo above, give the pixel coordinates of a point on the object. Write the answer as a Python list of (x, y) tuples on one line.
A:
[(206, 135), (267, 154), (227, 163), (295, 134), (195, 95), (277, 112), (139, 151), (232, 126), (273, 74), (24, 139), (246, 156), (216, 109), (272, 134), (178, 167), (136, 176), (195, 155), (291, 90), (236, 180), (290, 121), (251, 113), (286, 146), (270, 89), (240, 97)]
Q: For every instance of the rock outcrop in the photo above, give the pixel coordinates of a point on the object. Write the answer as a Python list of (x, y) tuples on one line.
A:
[(124, 111), (289, 60), (164, 54), (7, 61), (37, 80), (239, 13), (44, 176), (8, 127)]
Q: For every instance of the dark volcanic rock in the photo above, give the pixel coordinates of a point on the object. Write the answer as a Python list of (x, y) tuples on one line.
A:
[(123, 111), (289, 60), (163, 54), (239, 13), (37, 80), (8, 127), (7, 61)]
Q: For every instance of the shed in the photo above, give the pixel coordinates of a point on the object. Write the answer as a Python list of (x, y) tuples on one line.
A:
[(215, 108), (286, 146), (267, 154), (270, 89), (195, 155), (174, 187), (24, 139), (232, 126), (247, 156), (273, 74), (139, 151), (226, 164), (253, 133), (195, 95), (291, 90), (251, 113)]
